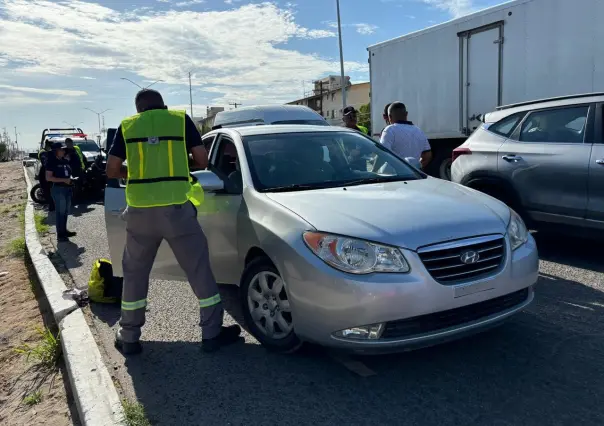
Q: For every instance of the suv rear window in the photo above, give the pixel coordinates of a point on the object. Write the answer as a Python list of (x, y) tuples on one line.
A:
[(506, 126)]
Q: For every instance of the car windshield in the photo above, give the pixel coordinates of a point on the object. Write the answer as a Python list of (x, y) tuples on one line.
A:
[(87, 146), (314, 160)]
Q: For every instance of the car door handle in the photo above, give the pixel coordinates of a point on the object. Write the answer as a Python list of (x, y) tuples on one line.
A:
[(512, 158), (600, 162)]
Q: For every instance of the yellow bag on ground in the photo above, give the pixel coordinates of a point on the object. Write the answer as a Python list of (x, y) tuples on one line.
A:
[(103, 287)]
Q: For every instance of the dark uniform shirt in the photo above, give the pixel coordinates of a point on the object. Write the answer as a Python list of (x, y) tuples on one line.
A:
[(192, 138), (74, 161), (59, 167)]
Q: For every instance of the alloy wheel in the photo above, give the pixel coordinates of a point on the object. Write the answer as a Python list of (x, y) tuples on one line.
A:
[(268, 305)]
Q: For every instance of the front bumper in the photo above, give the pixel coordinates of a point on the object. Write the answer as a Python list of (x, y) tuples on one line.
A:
[(325, 301)]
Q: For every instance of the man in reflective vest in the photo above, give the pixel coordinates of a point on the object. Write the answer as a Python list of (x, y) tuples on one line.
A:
[(161, 198), (350, 118)]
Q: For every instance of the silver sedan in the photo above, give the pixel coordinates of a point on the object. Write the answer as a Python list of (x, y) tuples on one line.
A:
[(335, 240)]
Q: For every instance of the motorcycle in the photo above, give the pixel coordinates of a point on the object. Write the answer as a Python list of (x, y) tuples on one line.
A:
[(90, 186)]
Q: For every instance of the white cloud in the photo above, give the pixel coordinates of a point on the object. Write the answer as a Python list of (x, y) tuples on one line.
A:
[(242, 51), (58, 92), (365, 29), (455, 8), (188, 3), (361, 28)]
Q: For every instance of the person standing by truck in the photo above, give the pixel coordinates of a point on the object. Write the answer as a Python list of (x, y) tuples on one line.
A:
[(350, 118), (76, 158), (156, 143), (43, 156), (58, 173), (403, 137)]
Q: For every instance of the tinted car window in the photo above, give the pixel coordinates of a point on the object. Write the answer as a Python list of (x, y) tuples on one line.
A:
[(295, 161), (562, 125), (87, 146), (507, 125)]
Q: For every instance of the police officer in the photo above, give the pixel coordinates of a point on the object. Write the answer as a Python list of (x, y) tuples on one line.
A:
[(156, 143), (76, 158), (58, 173), (43, 156)]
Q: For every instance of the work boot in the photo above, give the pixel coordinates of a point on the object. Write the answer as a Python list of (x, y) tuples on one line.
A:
[(71, 234), (127, 348), (227, 336)]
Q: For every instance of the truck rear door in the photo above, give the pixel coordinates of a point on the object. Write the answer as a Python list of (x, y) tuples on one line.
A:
[(481, 50)]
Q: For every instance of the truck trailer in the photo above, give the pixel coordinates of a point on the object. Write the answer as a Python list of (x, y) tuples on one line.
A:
[(449, 75)]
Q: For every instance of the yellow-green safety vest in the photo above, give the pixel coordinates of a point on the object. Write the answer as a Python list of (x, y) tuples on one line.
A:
[(80, 156), (363, 129), (158, 162)]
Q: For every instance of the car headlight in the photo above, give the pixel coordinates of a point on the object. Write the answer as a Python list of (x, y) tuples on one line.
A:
[(517, 230), (355, 256)]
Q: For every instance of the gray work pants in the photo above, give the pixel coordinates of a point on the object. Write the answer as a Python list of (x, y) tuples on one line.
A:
[(146, 228)]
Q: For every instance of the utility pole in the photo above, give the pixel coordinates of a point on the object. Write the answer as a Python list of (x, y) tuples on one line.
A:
[(321, 97), (235, 104), (16, 140), (191, 95), (104, 128), (341, 58)]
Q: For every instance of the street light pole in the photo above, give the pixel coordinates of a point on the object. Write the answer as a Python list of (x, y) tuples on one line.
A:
[(341, 58), (191, 95), (98, 115), (138, 85)]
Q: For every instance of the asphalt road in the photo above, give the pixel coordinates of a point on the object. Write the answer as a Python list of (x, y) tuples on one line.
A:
[(543, 367)]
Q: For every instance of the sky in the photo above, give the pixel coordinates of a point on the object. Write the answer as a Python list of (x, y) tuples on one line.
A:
[(58, 58)]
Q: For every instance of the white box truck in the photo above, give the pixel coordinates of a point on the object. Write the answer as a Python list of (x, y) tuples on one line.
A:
[(450, 74)]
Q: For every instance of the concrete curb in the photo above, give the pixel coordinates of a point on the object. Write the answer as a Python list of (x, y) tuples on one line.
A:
[(95, 395), (51, 281)]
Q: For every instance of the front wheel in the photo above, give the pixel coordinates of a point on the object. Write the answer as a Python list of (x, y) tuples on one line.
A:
[(266, 307), (37, 194)]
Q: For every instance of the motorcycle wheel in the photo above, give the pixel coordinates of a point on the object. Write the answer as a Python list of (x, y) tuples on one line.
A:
[(37, 194)]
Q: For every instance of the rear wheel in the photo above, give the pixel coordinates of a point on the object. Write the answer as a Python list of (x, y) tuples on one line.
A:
[(37, 194), (266, 308)]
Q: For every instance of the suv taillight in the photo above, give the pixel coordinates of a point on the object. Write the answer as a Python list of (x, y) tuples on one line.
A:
[(457, 152)]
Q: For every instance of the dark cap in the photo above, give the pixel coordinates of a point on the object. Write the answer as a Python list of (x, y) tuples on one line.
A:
[(349, 110), (58, 145)]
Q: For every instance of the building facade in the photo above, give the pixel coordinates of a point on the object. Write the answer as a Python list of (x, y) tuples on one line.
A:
[(326, 98)]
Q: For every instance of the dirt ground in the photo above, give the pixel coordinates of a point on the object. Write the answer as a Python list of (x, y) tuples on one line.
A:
[(29, 394)]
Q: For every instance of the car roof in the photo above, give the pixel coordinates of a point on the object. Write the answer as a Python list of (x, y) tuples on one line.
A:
[(506, 110), (267, 114), (279, 129)]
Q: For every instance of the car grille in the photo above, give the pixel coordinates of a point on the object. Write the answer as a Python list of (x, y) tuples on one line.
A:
[(446, 265), (454, 317)]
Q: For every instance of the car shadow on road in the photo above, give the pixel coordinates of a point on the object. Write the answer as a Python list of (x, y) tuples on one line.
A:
[(542, 367), (581, 253)]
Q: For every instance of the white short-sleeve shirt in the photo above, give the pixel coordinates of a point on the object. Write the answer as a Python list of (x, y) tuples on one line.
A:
[(405, 140)]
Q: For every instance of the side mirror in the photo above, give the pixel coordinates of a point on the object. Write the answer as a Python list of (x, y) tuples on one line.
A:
[(414, 162), (33, 155), (208, 180)]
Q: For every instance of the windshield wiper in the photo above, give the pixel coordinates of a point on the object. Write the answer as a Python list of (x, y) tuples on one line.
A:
[(298, 187), (377, 179)]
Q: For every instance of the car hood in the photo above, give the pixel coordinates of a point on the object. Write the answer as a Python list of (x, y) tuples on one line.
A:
[(404, 214)]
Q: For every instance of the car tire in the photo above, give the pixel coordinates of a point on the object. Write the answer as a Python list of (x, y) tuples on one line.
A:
[(440, 166), (266, 309)]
